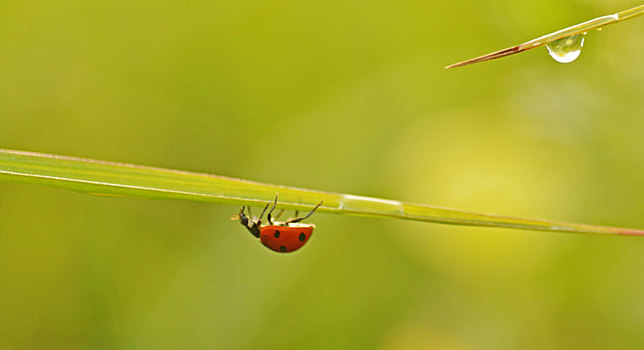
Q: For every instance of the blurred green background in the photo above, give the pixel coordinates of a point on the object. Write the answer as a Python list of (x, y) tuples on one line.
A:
[(346, 96)]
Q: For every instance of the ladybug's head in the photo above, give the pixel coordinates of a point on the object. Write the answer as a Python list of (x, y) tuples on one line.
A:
[(242, 217), (253, 228)]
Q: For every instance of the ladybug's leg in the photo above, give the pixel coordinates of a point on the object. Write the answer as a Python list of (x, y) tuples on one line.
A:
[(292, 220), (259, 220), (278, 214), (270, 221)]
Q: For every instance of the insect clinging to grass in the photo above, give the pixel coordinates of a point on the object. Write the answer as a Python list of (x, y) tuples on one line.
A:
[(282, 237)]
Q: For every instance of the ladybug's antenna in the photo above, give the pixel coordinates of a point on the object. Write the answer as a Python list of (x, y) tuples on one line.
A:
[(239, 215)]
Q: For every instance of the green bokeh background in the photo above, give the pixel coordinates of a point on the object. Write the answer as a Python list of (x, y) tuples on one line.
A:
[(346, 96)]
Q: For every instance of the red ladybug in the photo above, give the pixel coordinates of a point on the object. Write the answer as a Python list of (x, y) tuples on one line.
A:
[(282, 237)]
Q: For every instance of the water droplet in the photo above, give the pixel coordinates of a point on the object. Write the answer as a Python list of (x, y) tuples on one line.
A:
[(600, 29), (566, 50)]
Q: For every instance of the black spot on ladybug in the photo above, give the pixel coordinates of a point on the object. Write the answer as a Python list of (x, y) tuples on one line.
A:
[(277, 234), (302, 237), (282, 248)]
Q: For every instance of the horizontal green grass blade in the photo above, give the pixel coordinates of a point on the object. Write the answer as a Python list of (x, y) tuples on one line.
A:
[(581, 28), (136, 181)]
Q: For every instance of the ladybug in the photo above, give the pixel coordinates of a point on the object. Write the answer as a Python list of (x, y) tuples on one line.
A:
[(282, 237)]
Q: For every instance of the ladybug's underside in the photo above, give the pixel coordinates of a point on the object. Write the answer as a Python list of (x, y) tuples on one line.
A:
[(291, 224)]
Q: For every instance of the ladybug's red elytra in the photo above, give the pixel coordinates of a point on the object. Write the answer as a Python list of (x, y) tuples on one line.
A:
[(282, 237)]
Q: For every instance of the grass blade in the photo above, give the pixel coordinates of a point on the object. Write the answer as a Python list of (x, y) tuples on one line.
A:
[(580, 28), (117, 179)]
